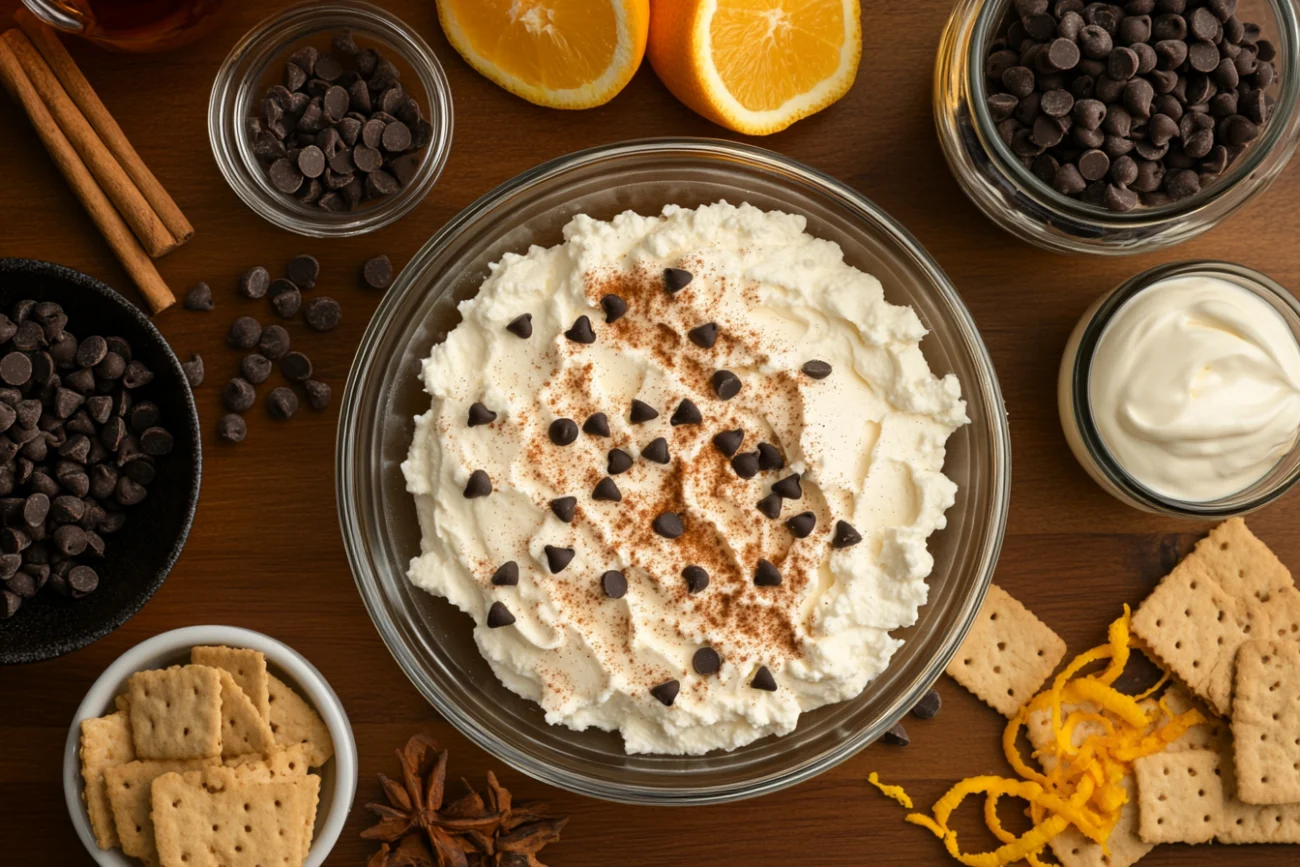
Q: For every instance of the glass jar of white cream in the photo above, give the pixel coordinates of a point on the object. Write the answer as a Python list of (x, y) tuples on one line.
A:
[(1179, 391)]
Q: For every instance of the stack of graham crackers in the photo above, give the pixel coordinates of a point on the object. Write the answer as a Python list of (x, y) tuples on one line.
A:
[(206, 764), (1226, 623)]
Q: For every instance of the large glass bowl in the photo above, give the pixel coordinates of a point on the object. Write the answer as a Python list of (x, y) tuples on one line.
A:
[(432, 641)]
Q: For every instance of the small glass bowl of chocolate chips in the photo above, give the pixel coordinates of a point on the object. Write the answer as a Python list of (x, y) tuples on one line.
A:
[(331, 119), (1117, 128)]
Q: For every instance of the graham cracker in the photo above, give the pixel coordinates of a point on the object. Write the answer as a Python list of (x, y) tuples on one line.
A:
[(294, 722), (1180, 797), (1213, 734), (208, 819), (243, 728), (247, 667), (1007, 654), (128, 793), (105, 743), (1266, 722), (1230, 589), (176, 712)]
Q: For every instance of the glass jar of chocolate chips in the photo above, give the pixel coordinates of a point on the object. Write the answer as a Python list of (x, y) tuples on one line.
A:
[(1117, 128), (331, 119)]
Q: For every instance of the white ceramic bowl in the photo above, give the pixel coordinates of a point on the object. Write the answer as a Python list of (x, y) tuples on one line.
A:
[(338, 777)]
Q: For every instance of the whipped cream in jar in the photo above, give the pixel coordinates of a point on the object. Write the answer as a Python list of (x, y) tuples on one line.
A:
[(1179, 391)]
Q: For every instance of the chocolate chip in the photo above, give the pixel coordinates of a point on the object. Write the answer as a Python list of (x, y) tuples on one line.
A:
[(816, 369), (232, 428), (506, 575), (763, 680), (789, 487), (323, 314), (697, 579), (656, 451), (619, 462), (801, 524), (675, 280), (614, 308), (255, 368), (521, 326), (726, 384), (66, 402), (193, 370), (274, 342), (706, 661), (136, 375), (686, 413), (498, 615), (82, 580), (563, 431), (282, 403), (745, 464), (596, 425), (296, 367), (614, 583), (238, 395), (479, 485), (564, 507), (285, 176), (377, 273), (1063, 54), (557, 558), (642, 412), (156, 441), (199, 297), (704, 336), (769, 457), (581, 331), (287, 302), (480, 415), (896, 736), (1093, 165), (244, 333), (15, 369), (668, 525), (607, 491), (845, 536), (729, 441), (318, 394), (770, 506), (666, 692), (929, 705), (766, 575), (35, 508)]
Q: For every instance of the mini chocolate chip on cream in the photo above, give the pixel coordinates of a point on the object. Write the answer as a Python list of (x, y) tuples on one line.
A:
[(674, 459)]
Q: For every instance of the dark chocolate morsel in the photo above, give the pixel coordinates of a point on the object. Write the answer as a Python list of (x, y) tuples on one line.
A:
[(706, 661), (614, 583), (479, 485), (668, 525), (498, 616), (666, 692), (480, 415), (770, 506), (507, 574), (763, 680), (619, 462), (816, 369), (789, 487), (697, 578), (726, 384), (521, 326), (728, 442), (769, 457), (563, 507), (675, 279), (896, 736), (704, 336), (929, 705), (563, 431), (614, 308), (686, 413), (581, 331), (766, 574), (802, 524), (845, 536), (596, 425), (656, 451), (642, 412), (607, 491), (745, 464), (557, 558)]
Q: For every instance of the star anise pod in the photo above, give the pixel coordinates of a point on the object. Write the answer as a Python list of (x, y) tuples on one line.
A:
[(417, 829)]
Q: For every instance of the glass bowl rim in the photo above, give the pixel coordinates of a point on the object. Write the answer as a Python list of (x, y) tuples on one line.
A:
[(1080, 401), (363, 567), (232, 152), (1273, 134)]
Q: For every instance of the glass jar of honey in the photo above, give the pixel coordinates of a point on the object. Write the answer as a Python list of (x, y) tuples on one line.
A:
[(129, 25)]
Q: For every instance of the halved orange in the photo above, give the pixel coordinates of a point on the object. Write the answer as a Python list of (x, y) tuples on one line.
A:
[(557, 53), (756, 66)]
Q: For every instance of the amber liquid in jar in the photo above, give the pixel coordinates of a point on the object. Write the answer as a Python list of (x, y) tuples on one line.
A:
[(141, 25)]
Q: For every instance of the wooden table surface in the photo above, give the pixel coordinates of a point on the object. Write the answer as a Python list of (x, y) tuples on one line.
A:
[(266, 552)]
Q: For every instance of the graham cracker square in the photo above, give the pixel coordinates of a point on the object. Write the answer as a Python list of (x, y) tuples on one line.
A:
[(105, 743), (243, 728), (247, 667), (1266, 722), (279, 762), (176, 712), (209, 819), (1007, 654), (1180, 797), (127, 786), (294, 722)]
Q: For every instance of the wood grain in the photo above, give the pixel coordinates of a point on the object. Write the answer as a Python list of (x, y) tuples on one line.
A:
[(266, 553)]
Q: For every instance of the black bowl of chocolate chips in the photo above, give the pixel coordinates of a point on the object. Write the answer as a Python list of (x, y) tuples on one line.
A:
[(99, 460)]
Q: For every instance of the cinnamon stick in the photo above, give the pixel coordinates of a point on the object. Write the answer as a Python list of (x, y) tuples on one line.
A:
[(101, 210), (94, 110), (115, 183)]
